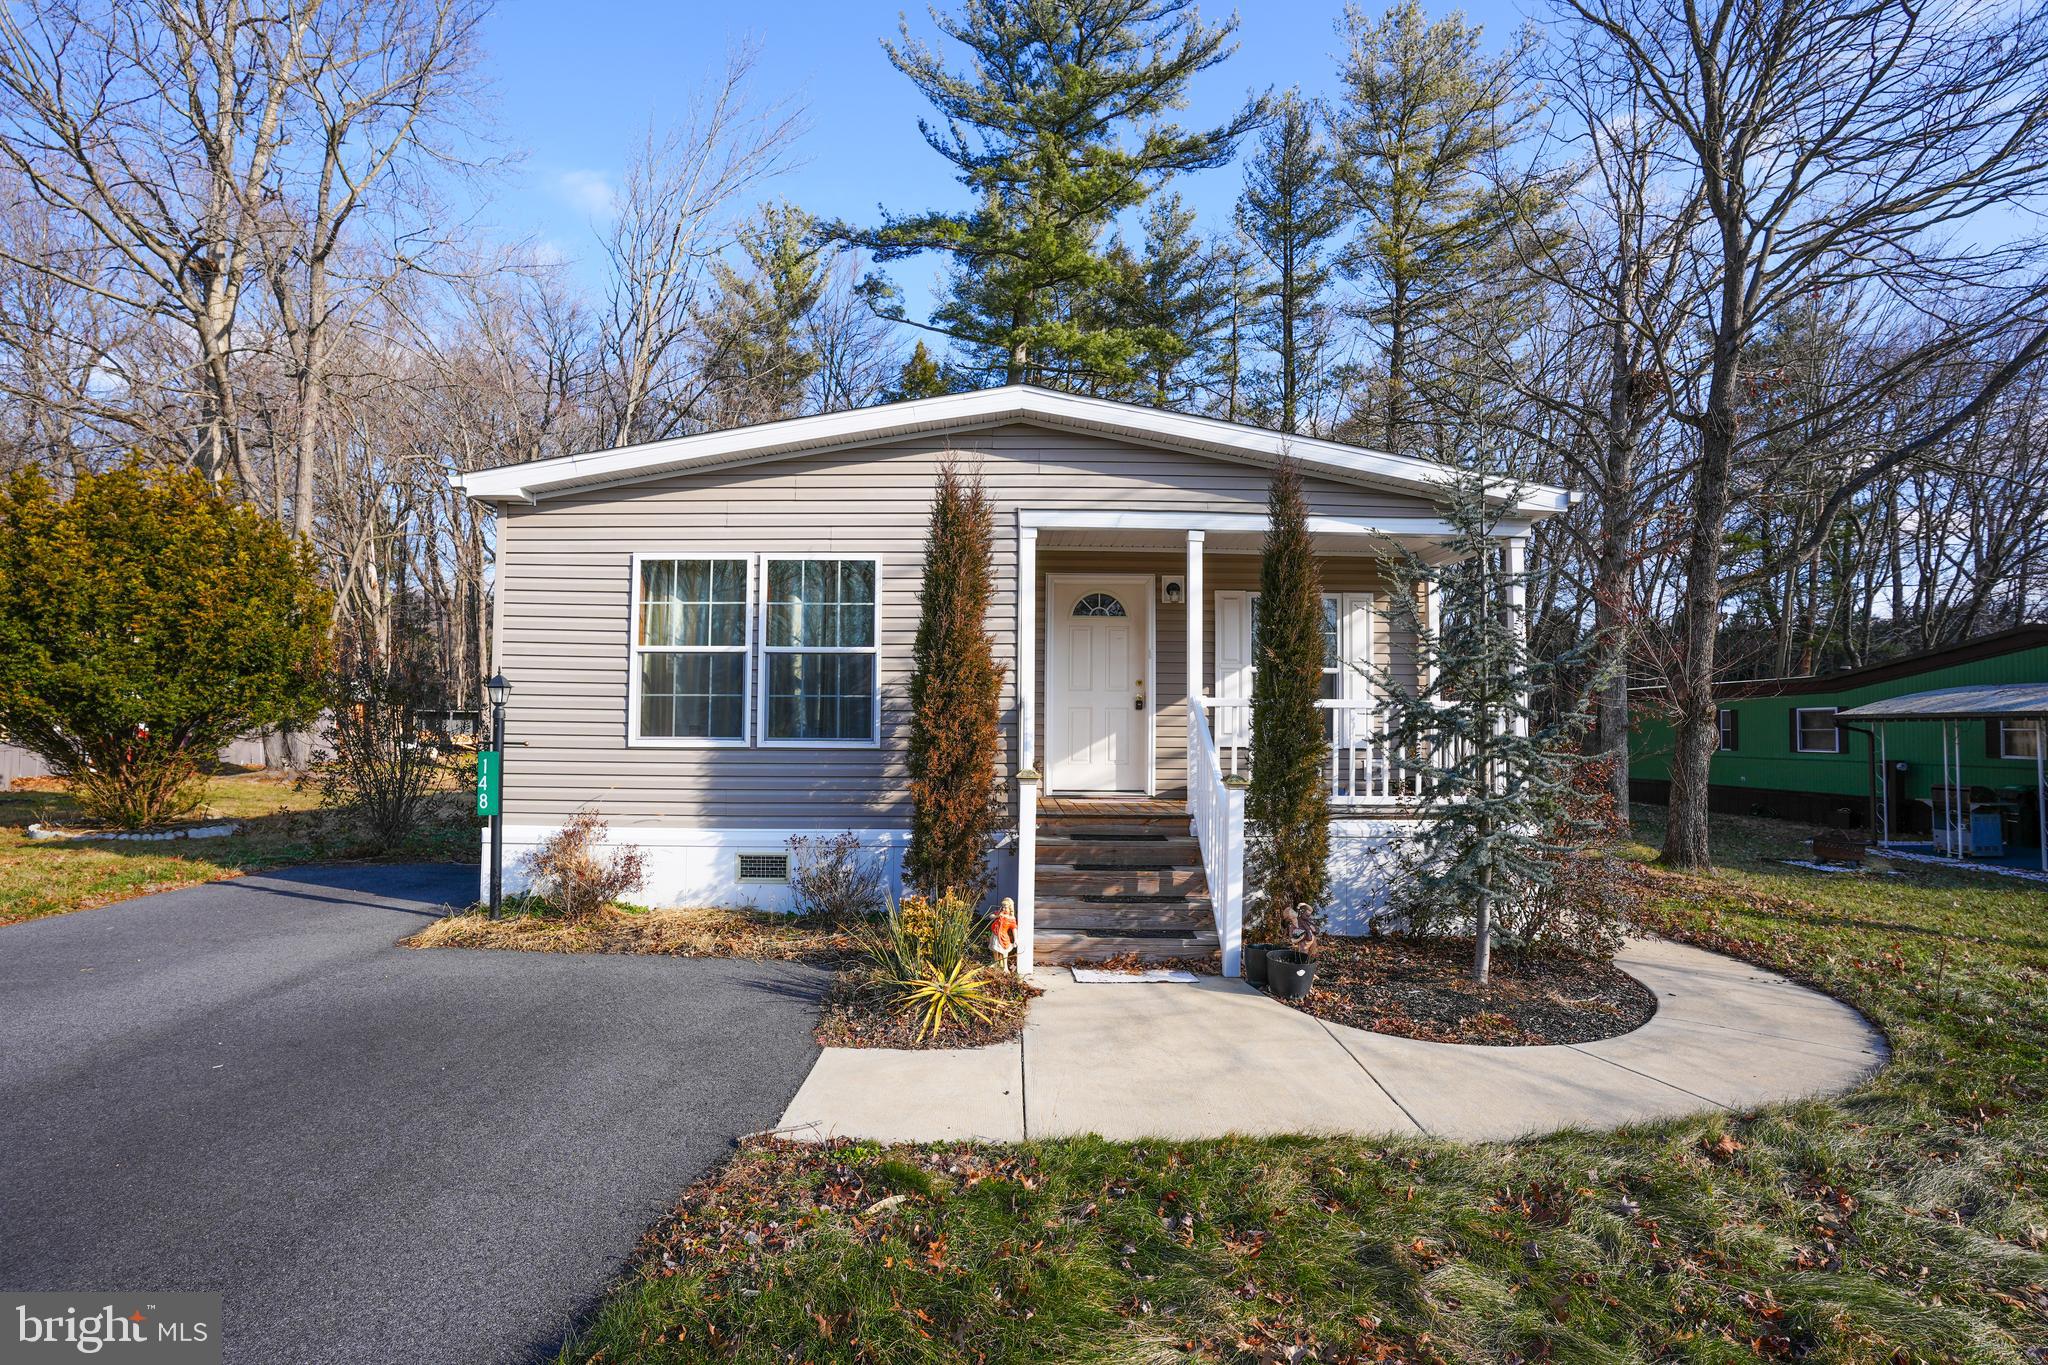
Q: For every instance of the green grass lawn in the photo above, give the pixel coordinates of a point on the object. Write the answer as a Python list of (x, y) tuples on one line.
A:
[(1904, 1222), (280, 825)]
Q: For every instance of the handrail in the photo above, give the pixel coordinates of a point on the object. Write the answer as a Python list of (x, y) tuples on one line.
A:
[(1216, 810)]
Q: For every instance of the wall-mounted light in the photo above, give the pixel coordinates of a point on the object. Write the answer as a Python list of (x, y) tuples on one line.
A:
[(1173, 591)]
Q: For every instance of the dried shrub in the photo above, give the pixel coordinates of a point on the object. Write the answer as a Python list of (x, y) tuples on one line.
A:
[(384, 762), (1590, 898), (576, 880), (832, 878)]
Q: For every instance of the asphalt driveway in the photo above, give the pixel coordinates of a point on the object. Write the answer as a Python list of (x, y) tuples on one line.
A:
[(374, 1153)]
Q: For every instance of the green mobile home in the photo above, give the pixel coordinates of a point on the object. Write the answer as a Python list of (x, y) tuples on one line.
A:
[(1783, 755)]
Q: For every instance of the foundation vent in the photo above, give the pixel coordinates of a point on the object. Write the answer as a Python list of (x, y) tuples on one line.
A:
[(764, 869)]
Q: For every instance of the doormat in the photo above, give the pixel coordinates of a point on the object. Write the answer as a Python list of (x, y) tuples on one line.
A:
[(1095, 976)]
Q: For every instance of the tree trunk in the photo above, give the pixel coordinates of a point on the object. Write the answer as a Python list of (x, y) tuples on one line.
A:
[(1692, 690), (1611, 569)]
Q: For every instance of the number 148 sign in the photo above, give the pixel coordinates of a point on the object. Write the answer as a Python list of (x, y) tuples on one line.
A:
[(488, 773)]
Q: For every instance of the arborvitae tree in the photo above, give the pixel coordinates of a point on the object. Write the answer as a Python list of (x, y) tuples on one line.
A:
[(1496, 774), (1059, 125), (955, 699), (1290, 212), (1423, 118), (1287, 808), (921, 377)]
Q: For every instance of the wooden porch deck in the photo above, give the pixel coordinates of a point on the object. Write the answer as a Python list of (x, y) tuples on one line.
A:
[(1112, 807)]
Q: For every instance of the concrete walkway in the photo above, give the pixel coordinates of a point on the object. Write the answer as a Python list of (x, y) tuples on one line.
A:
[(1217, 1057)]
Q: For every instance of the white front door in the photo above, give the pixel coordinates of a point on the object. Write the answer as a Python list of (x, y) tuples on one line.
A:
[(1096, 701)]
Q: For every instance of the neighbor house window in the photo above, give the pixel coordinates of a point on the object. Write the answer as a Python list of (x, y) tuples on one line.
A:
[(2018, 739), (690, 650), (818, 651), (1813, 730), (1730, 728)]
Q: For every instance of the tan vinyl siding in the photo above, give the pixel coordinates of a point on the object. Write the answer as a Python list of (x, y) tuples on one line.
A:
[(566, 592)]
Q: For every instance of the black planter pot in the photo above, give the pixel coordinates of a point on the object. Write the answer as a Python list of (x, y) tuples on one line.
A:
[(1255, 961), (1289, 974)]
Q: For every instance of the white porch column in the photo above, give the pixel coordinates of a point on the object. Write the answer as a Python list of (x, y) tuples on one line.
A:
[(1516, 562), (1027, 649), (1026, 683), (1194, 610)]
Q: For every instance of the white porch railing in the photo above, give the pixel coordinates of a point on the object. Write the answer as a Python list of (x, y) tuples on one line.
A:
[(1366, 766), (1216, 808)]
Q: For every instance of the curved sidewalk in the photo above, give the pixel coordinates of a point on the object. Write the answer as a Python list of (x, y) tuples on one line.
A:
[(1217, 1057)]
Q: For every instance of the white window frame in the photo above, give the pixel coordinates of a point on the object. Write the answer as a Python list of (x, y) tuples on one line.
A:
[(1352, 685), (766, 651), (2008, 728), (1723, 715), (1799, 714), (634, 650)]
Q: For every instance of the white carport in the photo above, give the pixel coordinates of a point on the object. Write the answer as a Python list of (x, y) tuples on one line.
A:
[(1952, 708)]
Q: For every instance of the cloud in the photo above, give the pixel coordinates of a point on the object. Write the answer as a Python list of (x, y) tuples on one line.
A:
[(589, 191)]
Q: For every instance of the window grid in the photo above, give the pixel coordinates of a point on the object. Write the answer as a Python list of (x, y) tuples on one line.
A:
[(820, 651), (692, 635)]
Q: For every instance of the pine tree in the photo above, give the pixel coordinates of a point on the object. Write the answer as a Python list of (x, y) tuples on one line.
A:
[(1290, 211), (921, 377), (955, 699), (752, 332), (1424, 114), (1059, 125), (1496, 774), (1287, 807), (1175, 304)]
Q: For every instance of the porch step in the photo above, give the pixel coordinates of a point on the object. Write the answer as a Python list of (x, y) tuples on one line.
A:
[(1069, 827), (1109, 879), (1057, 947), (1173, 918), (1158, 851)]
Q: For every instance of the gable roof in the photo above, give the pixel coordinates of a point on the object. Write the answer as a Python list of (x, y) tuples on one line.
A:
[(536, 479)]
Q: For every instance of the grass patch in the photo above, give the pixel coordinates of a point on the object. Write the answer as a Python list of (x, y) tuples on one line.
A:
[(700, 932), (281, 825), (1907, 1221)]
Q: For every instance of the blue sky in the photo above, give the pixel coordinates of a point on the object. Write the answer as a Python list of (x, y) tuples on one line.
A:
[(576, 85)]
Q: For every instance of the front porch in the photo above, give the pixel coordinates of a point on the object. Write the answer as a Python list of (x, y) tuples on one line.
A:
[(1134, 644)]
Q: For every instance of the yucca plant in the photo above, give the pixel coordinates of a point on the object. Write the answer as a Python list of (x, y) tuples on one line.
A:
[(919, 957), (946, 997)]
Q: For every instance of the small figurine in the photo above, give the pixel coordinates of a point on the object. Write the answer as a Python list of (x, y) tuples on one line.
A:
[(1002, 939)]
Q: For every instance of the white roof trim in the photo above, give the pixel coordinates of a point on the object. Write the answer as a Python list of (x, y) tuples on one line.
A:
[(980, 407)]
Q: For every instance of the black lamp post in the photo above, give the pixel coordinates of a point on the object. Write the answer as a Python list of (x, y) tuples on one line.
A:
[(498, 690)]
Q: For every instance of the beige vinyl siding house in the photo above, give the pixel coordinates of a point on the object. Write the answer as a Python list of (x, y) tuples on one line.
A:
[(709, 638)]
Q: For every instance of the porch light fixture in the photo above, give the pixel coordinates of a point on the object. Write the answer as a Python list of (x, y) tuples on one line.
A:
[(1173, 591)]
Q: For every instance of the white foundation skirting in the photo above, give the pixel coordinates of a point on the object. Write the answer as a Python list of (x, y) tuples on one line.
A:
[(700, 866), (1362, 870)]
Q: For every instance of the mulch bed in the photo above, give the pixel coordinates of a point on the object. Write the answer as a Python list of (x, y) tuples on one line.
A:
[(1423, 988), (854, 1016), (662, 933)]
